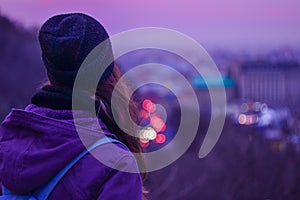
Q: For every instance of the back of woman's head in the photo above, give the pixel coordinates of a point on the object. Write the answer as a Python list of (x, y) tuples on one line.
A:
[(66, 40)]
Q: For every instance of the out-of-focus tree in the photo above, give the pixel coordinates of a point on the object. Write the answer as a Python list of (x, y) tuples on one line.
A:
[(21, 70)]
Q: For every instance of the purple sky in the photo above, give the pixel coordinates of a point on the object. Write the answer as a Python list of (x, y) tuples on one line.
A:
[(211, 22)]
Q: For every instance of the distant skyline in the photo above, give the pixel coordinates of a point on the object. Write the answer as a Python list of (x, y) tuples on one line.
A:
[(230, 23)]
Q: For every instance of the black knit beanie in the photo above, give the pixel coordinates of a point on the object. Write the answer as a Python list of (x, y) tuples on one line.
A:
[(66, 40)]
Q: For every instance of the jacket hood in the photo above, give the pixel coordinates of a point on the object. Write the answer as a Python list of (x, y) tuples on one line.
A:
[(36, 143)]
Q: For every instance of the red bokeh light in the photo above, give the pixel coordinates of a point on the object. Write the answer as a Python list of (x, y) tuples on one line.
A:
[(144, 144), (160, 138), (144, 114), (149, 105)]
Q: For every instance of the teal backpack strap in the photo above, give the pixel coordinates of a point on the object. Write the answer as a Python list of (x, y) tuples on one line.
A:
[(6, 191), (44, 192)]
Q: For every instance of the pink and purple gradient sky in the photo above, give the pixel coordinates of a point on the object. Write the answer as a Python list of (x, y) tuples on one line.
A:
[(210, 22)]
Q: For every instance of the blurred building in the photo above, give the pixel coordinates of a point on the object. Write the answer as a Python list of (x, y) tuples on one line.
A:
[(276, 84)]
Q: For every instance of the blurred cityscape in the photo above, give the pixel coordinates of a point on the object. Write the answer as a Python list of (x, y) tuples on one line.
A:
[(258, 153)]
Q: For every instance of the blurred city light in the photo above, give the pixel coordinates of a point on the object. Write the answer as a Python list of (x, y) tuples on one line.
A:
[(242, 119), (212, 82), (149, 105), (144, 144), (148, 133), (144, 114), (160, 138), (157, 123)]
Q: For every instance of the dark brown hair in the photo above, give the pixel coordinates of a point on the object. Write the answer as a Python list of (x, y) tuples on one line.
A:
[(104, 95)]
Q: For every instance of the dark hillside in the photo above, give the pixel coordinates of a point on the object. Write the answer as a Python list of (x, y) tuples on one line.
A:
[(21, 70)]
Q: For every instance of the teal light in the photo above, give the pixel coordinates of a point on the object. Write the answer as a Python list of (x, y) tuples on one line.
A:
[(213, 82)]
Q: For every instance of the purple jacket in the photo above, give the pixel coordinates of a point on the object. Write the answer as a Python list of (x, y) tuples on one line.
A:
[(36, 143)]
